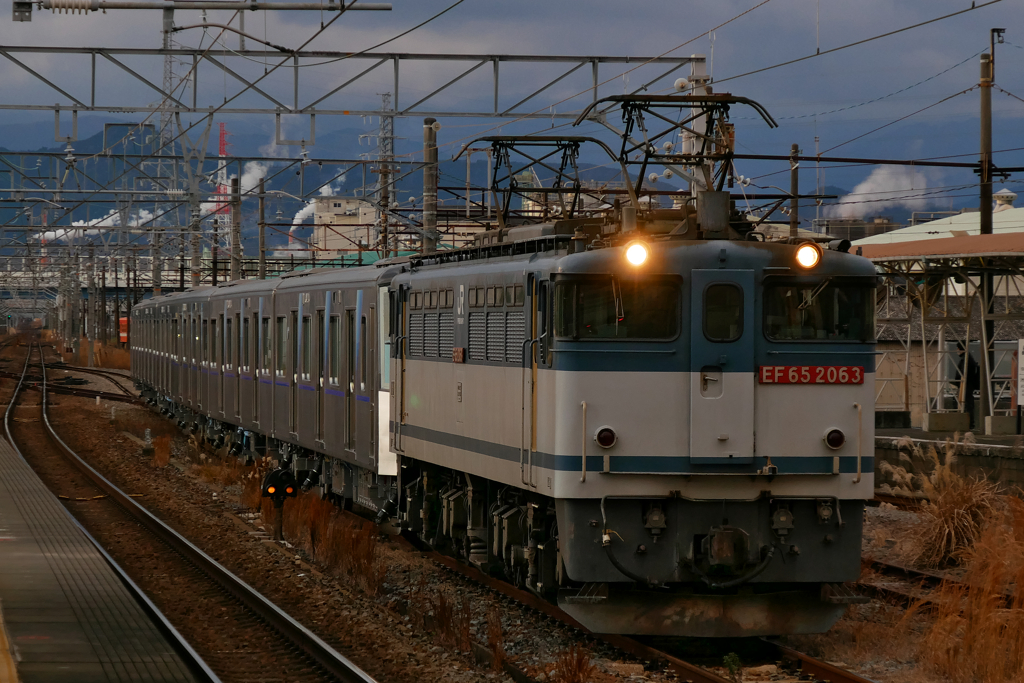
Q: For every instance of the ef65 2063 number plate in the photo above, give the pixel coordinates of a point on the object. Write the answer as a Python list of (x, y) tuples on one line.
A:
[(811, 374)]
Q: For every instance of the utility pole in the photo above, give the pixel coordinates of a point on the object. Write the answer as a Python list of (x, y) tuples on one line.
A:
[(429, 240), (214, 249), (262, 275), (154, 257), (794, 191), (236, 229), (988, 76), (194, 229), (385, 157), (117, 304), (985, 199), (90, 320), (103, 307)]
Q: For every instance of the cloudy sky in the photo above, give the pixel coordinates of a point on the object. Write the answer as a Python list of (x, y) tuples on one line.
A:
[(829, 97)]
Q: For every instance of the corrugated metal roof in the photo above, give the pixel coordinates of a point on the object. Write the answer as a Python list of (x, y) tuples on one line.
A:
[(1003, 221), (1010, 243)]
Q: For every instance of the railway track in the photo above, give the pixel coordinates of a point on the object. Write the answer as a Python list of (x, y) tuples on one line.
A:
[(910, 586), (771, 650), (238, 633), (115, 378), (901, 502), (72, 391), (810, 668)]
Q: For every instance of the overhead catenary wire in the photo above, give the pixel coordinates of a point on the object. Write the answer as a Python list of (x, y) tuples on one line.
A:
[(902, 118), (871, 101), (821, 53), (708, 32), (267, 72)]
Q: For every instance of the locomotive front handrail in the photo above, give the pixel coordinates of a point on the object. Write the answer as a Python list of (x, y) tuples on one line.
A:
[(583, 477), (523, 477), (860, 440), (805, 352)]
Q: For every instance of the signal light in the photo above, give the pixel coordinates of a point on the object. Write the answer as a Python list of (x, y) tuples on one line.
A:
[(279, 484)]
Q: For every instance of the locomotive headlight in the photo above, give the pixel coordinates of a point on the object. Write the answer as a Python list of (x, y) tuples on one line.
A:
[(808, 255), (636, 253)]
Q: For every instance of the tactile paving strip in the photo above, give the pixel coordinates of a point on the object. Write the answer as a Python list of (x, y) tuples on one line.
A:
[(67, 614)]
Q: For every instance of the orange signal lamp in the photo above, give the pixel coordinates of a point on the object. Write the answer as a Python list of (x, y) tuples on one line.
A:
[(271, 489), (289, 489)]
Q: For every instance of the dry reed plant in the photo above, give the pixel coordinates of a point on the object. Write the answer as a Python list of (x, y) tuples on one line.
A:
[(452, 619), (343, 544), (956, 511), (225, 474), (977, 634), (114, 358), (110, 357), (574, 666), (161, 451), (496, 638), (252, 491)]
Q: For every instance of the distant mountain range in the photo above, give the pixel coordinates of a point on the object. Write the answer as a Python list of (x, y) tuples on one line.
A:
[(347, 142)]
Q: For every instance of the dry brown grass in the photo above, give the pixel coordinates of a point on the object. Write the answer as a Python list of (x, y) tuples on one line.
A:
[(114, 357), (342, 543), (956, 511), (574, 666), (223, 473), (252, 482), (496, 638), (452, 617), (161, 451), (111, 357), (978, 633)]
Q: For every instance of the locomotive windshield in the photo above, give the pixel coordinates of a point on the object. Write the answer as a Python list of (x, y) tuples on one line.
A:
[(612, 308), (821, 311)]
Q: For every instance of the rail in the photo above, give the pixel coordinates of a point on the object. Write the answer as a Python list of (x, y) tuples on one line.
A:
[(685, 670), (113, 377), (328, 658), (71, 391), (195, 663)]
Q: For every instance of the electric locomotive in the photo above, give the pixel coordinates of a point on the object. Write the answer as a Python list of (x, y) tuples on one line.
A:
[(649, 415)]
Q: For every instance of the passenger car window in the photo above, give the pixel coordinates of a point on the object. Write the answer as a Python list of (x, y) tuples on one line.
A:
[(723, 312)]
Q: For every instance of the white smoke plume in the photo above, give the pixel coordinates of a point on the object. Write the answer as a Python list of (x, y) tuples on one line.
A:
[(887, 187), (91, 228), (112, 219), (304, 213), (274, 150), (251, 174)]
